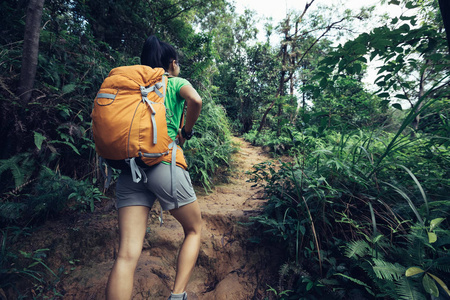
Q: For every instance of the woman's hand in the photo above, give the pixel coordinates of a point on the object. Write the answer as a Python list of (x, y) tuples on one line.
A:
[(180, 138)]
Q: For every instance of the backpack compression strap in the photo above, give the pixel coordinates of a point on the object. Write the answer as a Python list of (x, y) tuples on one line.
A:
[(145, 91), (137, 173), (173, 169)]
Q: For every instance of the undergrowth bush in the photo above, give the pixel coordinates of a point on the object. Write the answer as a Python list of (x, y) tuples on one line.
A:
[(54, 130), (211, 149), (53, 194), (29, 266), (404, 268), (347, 187), (48, 164)]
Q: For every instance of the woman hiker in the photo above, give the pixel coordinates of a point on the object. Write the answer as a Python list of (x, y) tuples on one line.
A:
[(134, 200)]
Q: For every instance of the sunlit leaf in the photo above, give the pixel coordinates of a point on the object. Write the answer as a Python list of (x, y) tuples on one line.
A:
[(432, 237), (435, 223), (413, 271)]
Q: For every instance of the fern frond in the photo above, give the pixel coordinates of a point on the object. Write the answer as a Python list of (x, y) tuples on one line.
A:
[(443, 238), (442, 263), (284, 269), (20, 166), (386, 270), (406, 290), (443, 268), (11, 211), (357, 248), (12, 164), (357, 281)]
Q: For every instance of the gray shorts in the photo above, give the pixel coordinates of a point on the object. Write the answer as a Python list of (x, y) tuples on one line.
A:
[(158, 185)]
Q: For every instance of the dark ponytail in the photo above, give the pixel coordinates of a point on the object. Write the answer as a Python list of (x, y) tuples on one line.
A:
[(158, 54)]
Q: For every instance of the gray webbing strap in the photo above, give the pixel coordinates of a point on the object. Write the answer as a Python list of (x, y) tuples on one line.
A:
[(155, 130), (144, 91), (153, 154), (173, 169), (107, 96), (136, 172), (154, 88), (159, 85)]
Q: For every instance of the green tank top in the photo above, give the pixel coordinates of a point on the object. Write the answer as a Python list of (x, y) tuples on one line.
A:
[(174, 104)]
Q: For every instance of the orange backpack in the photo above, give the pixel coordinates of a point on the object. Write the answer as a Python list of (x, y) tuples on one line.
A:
[(129, 120)]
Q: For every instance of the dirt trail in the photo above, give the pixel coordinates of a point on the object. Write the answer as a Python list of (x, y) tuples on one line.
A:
[(229, 266)]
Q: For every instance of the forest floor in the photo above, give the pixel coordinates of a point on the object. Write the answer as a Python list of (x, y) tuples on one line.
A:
[(82, 249)]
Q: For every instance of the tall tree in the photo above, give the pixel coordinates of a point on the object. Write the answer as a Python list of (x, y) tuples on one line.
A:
[(415, 66), (297, 30), (247, 74), (125, 24), (30, 49)]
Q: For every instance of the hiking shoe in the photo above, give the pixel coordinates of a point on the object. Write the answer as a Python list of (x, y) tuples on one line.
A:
[(182, 296)]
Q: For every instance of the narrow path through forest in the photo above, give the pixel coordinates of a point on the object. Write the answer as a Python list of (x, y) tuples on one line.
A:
[(229, 266)]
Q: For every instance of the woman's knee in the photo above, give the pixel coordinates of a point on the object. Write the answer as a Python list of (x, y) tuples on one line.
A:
[(129, 255), (194, 228)]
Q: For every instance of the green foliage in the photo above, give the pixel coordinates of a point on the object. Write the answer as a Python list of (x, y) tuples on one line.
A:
[(85, 195), (209, 151), (20, 167), (388, 271), (52, 195), (364, 195), (277, 143), (412, 45), (348, 106), (346, 185), (16, 264), (78, 47), (435, 121), (246, 77)]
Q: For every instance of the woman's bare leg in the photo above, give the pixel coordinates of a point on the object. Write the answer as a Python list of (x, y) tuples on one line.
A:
[(190, 218), (132, 228)]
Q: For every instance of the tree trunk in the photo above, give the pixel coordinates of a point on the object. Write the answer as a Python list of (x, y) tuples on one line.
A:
[(415, 123), (30, 50), (444, 6), (279, 93), (280, 88), (280, 112)]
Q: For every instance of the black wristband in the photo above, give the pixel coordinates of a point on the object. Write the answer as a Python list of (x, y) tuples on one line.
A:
[(186, 135)]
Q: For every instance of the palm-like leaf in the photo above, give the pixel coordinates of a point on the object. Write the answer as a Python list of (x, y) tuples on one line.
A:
[(387, 270), (357, 248), (406, 290)]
